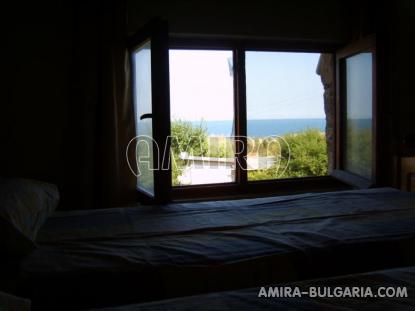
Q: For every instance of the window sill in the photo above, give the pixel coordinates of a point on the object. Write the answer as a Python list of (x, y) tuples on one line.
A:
[(257, 189)]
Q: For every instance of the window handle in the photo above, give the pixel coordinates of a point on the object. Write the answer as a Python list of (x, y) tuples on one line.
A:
[(146, 116)]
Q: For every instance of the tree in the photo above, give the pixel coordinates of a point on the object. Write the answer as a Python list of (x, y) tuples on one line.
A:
[(186, 137), (190, 138)]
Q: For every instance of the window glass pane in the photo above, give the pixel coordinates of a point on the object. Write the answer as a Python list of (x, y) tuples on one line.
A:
[(286, 121), (143, 105), (358, 132), (202, 117)]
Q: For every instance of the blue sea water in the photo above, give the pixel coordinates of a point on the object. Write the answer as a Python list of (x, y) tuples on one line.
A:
[(262, 128)]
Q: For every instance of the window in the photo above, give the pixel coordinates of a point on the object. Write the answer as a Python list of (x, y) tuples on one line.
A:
[(358, 115), (242, 116), (357, 132), (202, 117), (142, 103), (286, 121), (150, 97)]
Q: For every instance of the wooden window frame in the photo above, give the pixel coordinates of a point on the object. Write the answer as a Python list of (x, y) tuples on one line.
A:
[(157, 32), (242, 187)]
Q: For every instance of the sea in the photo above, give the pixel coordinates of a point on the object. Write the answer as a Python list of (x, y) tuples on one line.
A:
[(263, 128)]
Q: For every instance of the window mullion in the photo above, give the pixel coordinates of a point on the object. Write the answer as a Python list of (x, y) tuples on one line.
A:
[(240, 114)]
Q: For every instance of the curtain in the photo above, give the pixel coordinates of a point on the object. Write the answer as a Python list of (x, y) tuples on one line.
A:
[(99, 120), (116, 183)]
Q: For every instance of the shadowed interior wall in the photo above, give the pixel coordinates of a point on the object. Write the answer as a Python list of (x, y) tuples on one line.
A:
[(401, 65), (35, 86), (310, 20)]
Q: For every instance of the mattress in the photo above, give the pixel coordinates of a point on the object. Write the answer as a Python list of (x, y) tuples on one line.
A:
[(399, 283), (139, 253)]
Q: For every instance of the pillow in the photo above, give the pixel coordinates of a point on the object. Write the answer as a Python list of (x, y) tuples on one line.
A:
[(24, 206), (13, 303)]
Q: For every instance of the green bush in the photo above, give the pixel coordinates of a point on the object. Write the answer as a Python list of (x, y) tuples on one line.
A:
[(307, 154)]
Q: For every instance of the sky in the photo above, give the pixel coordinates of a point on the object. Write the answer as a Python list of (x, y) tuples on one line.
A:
[(280, 85)]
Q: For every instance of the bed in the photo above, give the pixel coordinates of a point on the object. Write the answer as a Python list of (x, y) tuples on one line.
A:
[(125, 255), (398, 283)]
